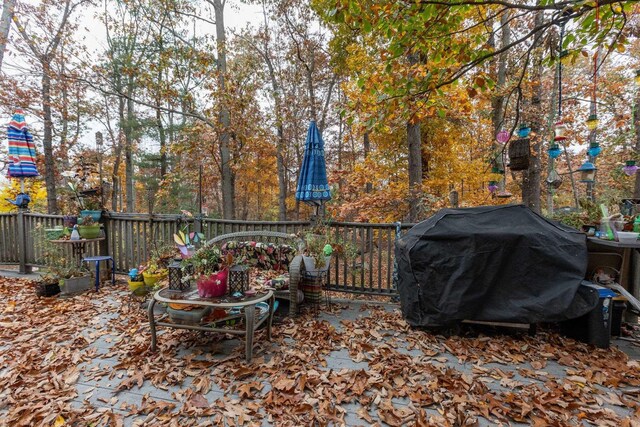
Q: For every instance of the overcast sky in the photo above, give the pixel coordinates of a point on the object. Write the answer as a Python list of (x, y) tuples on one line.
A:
[(91, 33)]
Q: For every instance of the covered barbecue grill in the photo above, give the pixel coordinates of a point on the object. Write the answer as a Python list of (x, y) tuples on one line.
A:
[(491, 263)]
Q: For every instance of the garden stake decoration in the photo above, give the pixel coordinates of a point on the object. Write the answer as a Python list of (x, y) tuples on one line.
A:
[(186, 242)]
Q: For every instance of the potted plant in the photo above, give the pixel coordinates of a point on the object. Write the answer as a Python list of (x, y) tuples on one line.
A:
[(48, 285), (153, 272), (136, 282), (316, 254), (88, 228), (210, 270), (74, 279)]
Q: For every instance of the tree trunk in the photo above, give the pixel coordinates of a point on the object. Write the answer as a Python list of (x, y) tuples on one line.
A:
[(224, 119), (531, 177), (367, 147), (128, 148), (5, 25), (163, 142), (47, 138), (636, 125), (415, 169), (115, 177)]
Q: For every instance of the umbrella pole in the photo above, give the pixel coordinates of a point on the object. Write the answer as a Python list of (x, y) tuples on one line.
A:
[(22, 185)]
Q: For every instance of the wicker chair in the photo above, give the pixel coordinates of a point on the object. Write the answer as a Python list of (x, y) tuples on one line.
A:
[(295, 267)]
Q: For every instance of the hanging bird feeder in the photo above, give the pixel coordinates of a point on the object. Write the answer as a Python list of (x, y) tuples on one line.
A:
[(492, 187), (587, 172), (504, 194), (637, 77), (519, 154), (524, 130), (554, 150), (560, 132), (554, 179), (565, 57), (593, 122), (503, 136), (630, 167), (594, 149)]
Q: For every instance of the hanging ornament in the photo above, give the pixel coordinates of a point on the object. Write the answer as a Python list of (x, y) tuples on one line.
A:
[(630, 167), (587, 172), (594, 149), (565, 57), (560, 132), (554, 151), (554, 180), (592, 122), (637, 77), (492, 187), (524, 130), (503, 136)]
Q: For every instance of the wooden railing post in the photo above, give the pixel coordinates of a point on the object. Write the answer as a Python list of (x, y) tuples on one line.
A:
[(22, 243)]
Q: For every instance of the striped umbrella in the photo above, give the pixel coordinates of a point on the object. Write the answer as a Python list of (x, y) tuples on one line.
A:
[(22, 151)]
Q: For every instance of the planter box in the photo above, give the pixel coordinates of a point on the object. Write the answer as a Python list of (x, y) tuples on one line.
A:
[(76, 285)]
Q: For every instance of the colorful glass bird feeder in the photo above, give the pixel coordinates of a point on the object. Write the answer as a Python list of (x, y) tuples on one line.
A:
[(560, 132), (593, 122), (524, 130), (492, 187), (594, 149), (637, 77), (503, 136), (565, 57), (630, 167), (554, 151), (587, 172)]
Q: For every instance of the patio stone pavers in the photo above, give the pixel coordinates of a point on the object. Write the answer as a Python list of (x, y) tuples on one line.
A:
[(109, 337)]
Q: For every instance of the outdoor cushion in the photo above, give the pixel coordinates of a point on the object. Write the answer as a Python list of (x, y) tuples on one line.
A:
[(278, 283), (267, 256)]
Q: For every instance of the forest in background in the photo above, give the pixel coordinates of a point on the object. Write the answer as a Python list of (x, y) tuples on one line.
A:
[(409, 97)]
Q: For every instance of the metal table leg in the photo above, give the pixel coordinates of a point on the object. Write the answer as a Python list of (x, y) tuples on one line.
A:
[(249, 314), (152, 324), (272, 301)]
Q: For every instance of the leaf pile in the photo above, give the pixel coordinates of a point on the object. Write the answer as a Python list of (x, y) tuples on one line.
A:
[(373, 370)]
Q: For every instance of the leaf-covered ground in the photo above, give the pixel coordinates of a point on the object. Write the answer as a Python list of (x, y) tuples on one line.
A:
[(85, 360)]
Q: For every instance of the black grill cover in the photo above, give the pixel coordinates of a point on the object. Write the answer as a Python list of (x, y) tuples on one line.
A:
[(491, 263)]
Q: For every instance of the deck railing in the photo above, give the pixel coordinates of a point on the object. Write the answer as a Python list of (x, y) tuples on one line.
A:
[(130, 238)]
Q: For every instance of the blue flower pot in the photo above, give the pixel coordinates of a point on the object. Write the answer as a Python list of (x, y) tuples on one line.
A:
[(96, 215)]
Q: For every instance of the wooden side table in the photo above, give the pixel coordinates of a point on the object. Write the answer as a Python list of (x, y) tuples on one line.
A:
[(78, 247)]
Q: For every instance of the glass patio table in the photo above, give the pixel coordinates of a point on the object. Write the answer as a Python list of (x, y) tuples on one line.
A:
[(246, 305)]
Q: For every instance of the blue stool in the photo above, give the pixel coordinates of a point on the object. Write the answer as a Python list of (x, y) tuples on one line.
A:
[(97, 260)]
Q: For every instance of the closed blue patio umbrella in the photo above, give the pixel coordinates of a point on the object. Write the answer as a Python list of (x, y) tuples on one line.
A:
[(22, 156), (313, 187)]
